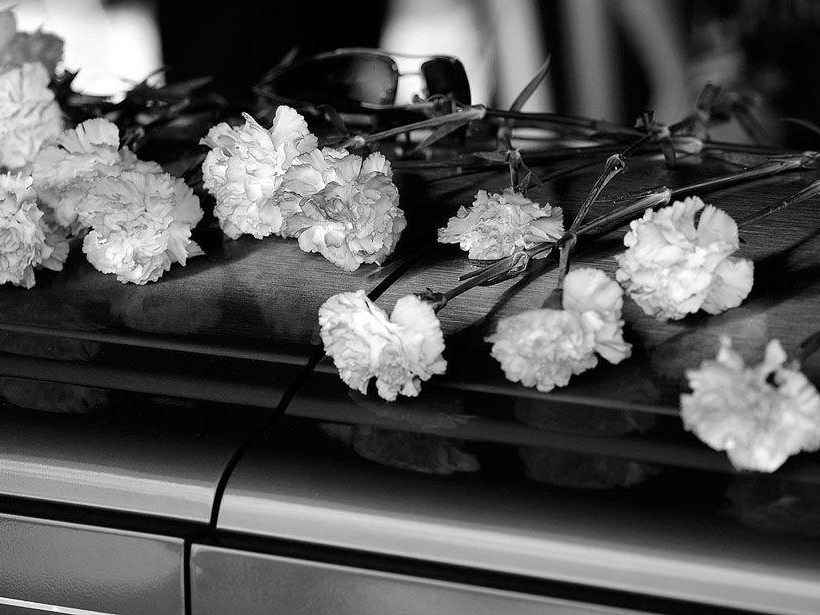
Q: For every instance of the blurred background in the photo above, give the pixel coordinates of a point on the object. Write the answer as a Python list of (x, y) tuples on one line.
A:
[(612, 59)]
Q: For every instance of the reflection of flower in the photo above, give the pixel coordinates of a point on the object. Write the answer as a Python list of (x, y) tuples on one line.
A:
[(399, 352), (759, 415), (22, 240), (545, 348), (140, 224), (582, 471), (349, 211), (52, 396), (50, 311), (419, 452), (29, 115), (496, 225), (246, 166), (672, 267), (66, 171)]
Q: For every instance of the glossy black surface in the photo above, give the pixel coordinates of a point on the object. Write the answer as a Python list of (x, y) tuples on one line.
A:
[(75, 566), (139, 400)]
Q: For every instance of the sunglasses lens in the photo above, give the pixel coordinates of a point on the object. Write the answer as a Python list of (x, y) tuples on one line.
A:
[(340, 80), (446, 76)]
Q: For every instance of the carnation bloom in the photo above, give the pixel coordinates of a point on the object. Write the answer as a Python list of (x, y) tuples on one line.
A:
[(672, 267), (65, 171), (140, 224), (22, 240), (544, 348), (29, 115), (349, 212), (56, 236), (364, 343), (759, 415), (496, 225), (245, 167)]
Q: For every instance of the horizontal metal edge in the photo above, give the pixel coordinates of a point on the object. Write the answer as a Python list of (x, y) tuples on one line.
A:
[(681, 559)]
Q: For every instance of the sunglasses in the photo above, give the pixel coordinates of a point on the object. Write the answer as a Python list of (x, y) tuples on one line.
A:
[(357, 80)]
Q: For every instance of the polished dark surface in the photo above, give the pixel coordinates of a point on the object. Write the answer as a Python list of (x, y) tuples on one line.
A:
[(140, 400), (301, 587), (75, 566)]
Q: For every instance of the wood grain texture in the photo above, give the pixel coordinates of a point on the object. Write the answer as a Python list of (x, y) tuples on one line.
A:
[(784, 303), (268, 292)]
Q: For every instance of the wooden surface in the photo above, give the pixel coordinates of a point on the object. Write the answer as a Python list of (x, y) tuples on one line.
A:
[(784, 302), (614, 426), (266, 293)]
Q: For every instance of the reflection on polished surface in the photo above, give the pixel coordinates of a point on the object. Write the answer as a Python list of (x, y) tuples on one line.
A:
[(82, 568), (312, 588), (517, 484), (132, 454), (139, 401)]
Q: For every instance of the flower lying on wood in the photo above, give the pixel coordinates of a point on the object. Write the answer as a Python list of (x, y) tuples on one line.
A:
[(140, 224), (23, 245), (673, 267), (544, 348), (66, 171), (29, 114), (56, 235), (364, 343), (343, 207), (759, 415), (496, 225), (245, 167)]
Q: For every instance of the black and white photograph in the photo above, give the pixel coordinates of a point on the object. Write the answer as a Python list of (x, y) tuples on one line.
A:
[(410, 307)]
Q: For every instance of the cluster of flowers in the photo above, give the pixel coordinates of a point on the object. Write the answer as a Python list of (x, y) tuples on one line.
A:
[(277, 181), (673, 266), (29, 113), (136, 219)]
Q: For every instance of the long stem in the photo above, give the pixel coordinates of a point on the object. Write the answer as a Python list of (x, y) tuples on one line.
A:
[(640, 202), (469, 114), (806, 193), (765, 170)]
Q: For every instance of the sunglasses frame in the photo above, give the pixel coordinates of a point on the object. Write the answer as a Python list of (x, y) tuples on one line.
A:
[(264, 88)]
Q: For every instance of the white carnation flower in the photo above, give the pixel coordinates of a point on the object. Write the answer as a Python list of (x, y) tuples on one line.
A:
[(140, 224), (56, 236), (354, 217), (496, 225), (759, 415), (22, 240), (65, 171), (29, 115), (364, 343), (672, 268), (309, 174), (245, 167), (544, 348)]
